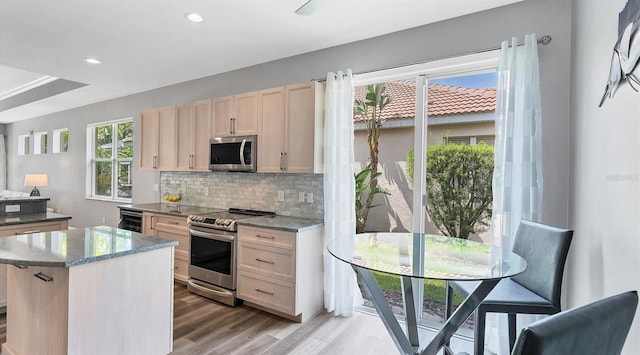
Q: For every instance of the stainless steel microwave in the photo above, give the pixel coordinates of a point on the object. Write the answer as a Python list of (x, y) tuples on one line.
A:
[(233, 153)]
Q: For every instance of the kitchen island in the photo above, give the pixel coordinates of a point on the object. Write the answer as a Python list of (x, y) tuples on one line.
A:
[(98, 290)]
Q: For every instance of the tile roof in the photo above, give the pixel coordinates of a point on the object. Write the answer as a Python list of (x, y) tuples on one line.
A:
[(443, 100)]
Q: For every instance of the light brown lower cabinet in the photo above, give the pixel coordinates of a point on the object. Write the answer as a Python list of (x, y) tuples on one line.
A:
[(112, 306), (29, 228), (281, 272), (172, 228)]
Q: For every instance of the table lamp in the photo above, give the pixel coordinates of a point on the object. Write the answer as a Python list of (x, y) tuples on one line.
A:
[(36, 180)]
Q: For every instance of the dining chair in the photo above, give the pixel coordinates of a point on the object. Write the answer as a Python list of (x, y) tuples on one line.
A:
[(598, 328), (535, 291)]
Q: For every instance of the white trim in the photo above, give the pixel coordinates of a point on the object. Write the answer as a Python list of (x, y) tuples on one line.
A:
[(114, 160), (471, 63), (28, 86), (104, 123)]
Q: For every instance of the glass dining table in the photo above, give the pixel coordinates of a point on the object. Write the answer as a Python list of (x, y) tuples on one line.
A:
[(414, 256)]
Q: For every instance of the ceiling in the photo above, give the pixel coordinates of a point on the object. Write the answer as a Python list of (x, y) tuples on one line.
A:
[(146, 44)]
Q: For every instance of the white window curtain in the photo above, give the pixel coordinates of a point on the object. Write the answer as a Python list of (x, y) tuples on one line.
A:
[(340, 288), (3, 164), (517, 176)]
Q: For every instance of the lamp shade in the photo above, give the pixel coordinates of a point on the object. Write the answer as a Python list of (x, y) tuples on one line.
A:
[(36, 180)]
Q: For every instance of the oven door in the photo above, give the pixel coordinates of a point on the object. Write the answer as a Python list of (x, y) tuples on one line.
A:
[(213, 257)]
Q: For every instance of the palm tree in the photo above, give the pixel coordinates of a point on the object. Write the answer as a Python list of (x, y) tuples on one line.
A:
[(370, 109)]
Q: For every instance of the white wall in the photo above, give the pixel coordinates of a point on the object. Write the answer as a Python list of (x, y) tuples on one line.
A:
[(605, 204)]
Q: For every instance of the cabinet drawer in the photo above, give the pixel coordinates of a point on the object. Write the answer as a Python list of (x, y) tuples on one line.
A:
[(274, 294), (181, 267), (268, 261), (269, 237), (164, 222), (182, 239), (33, 228)]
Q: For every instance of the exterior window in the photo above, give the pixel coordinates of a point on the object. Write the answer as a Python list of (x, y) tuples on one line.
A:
[(110, 160)]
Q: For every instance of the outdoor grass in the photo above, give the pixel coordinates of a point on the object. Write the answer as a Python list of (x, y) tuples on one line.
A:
[(433, 289)]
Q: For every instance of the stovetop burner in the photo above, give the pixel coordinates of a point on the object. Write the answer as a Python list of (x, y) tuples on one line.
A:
[(225, 220)]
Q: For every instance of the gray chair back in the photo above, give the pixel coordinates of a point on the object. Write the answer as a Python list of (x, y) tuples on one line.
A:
[(545, 248), (599, 328)]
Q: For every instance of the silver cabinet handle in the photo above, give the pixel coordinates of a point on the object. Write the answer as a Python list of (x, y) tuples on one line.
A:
[(28, 232), (265, 261), (265, 236), (21, 267), (286, 161), (265, 292), (281, 161), (155, 161), (43, 277), (190, 161), (152, 223)]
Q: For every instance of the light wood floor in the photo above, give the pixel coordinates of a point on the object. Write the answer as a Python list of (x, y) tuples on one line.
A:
[(202, 326)]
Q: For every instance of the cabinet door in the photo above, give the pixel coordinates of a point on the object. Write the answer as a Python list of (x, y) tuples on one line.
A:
[(200, 159), (300, 124), (222, 114), (149, 139), (271, 130), (245, 120), (185, 131), (148, 223), (167, 138), (24, 229)]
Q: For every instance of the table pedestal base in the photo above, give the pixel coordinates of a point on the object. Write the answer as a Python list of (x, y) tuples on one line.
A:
[(409, 342)]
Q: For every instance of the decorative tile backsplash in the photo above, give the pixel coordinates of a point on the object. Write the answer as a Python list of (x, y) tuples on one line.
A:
[(248, 190)]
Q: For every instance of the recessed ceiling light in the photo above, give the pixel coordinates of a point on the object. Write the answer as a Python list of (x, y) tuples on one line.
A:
[(92, 60), (194, 17)]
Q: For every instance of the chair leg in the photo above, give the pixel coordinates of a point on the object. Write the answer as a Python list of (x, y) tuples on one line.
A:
[(448, 303), (512, 331), (480, 317)]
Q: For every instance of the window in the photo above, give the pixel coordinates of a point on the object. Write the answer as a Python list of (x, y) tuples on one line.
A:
[(429, 104), (24, 144), (110, 160), (40, 143), (60, 140)]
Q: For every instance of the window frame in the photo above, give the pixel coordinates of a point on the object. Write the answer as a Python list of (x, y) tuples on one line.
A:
[(115, 161), (437, 69)]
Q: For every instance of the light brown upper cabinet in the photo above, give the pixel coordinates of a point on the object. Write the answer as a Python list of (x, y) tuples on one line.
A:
[(235, 115), (193, 133), (290, 129), (158, 139), (271, 130)]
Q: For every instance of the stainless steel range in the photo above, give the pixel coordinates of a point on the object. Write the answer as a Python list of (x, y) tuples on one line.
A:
[(213, 253)]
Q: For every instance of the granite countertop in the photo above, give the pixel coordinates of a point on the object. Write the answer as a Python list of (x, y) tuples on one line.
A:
[(76, 246), (285, 223), (31, 218), (165, 208)]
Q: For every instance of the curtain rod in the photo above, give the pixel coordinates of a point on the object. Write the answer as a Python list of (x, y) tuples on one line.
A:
[(544, 40)]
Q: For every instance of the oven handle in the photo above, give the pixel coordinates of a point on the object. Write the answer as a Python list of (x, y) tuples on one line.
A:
[(207, 289), (225, 238)]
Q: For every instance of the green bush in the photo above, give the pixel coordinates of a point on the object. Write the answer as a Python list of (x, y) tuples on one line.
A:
[(458, 183)]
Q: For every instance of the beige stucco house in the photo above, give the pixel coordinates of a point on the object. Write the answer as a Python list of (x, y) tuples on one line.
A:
[(455, 114)]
